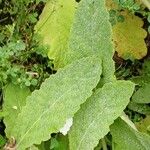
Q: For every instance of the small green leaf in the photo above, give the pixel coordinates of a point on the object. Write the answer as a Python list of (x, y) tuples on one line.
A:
[(143, 125), (146, 67), (14, 100), (60, 142), (140, 108), (57, 100), (144, 77), (142, 95), (126, 138), (45, 145), (2, 141), (92, 121)]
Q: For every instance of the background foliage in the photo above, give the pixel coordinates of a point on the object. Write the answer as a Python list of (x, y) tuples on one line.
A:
[(63, 71)]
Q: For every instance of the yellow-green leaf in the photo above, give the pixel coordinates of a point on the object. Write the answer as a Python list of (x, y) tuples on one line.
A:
[(54, 27), (129, 37)]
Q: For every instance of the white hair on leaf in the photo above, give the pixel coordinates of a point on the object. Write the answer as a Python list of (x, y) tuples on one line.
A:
[(64, 130)]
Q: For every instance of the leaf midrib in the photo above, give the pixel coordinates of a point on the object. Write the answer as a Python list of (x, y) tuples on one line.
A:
[(48, 109)]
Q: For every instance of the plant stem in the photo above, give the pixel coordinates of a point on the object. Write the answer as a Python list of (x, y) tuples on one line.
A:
[(113, 146), (104, 145)]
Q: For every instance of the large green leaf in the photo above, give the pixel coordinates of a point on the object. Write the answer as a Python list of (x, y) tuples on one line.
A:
[(126, 138), (14, 100), (91, 34), (54, 27), (92, 121), (57, 100)]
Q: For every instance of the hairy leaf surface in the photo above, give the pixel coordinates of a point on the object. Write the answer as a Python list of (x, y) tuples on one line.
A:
[(92, 121), (57, 100), (91, 34), (54, 26), (126, 138), (14, 100)]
